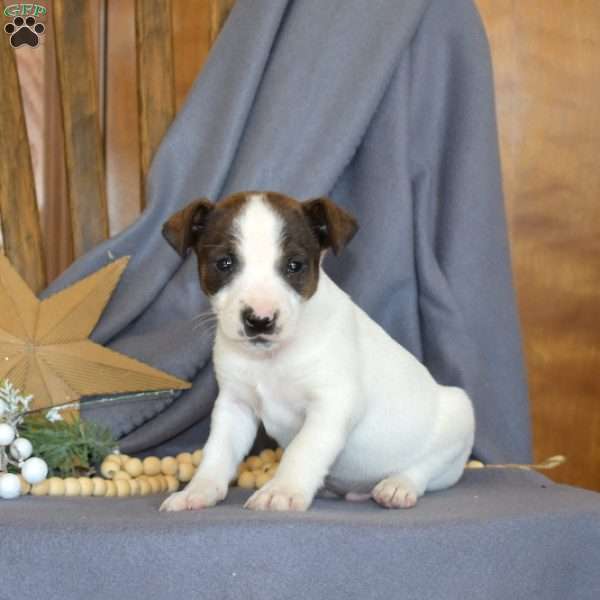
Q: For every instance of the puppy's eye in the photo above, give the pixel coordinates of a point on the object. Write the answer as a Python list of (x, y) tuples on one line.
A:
[(294, 266), (225, 263)]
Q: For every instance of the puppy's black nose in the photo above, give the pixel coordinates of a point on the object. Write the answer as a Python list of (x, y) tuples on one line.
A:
[(255, 325)]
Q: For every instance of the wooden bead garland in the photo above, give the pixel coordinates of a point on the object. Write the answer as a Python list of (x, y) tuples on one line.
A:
[(255, 471), (124, 476)]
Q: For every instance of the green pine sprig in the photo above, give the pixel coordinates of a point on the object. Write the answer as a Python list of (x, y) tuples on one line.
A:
[(71, 447)]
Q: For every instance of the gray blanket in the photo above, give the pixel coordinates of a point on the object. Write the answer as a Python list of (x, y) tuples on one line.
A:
[(496, 535), (386, 106)]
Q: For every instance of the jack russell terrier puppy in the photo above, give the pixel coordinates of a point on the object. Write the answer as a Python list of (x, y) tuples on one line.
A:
[(354, 410)]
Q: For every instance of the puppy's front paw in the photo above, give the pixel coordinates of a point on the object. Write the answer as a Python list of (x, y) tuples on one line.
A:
[(395, 492), (278, 496), (196, 495)]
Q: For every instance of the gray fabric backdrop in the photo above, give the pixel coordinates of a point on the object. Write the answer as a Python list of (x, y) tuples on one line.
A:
[(386, 106)]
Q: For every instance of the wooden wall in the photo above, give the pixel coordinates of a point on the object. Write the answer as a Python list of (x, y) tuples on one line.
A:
[(547, 69), (195, 25), (547, 66)]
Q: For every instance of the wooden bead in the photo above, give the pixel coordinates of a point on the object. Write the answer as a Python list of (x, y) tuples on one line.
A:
[(145, 488), (154, 484), (197, 457), (99, 486), (40, 489), (86, 485), (134, 467), (268, 456), (172, 483), (111, 488), (168, 465), (25, 485), (56, 486), (72, 487), (185, 471), (134, 485), (151, 465), (184, 457), (278, 453), (123, 488), (246, 480), (109, 468), (163, 483), (253, 462)]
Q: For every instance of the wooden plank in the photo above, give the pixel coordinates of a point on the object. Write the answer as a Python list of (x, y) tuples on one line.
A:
[(122, 117), (55, 217), (156, 87), (192, 41), (548, 83), (83, 142), (20, 219)]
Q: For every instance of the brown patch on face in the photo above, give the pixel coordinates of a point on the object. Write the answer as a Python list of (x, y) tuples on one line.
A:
[(207, 228), (299, 245), (309, 228), (217, 245)]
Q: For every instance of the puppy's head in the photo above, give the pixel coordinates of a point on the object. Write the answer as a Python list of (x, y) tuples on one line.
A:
[(259, 256)]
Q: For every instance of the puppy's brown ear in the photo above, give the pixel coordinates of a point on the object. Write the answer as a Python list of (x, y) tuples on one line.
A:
[(333, 226), (184, 227)]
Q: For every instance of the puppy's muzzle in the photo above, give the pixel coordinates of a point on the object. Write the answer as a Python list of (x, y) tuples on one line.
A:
[(255, 325)]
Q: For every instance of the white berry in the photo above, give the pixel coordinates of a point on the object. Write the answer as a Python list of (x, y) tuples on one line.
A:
[(21, 449), (10, 486), (7, 434), (34, 470)]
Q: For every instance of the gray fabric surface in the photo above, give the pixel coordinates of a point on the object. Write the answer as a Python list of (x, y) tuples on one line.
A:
[(495, 535), (388, 107)]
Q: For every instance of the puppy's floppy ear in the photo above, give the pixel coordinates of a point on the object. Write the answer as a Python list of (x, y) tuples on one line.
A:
[(184, 227), (333, 226)]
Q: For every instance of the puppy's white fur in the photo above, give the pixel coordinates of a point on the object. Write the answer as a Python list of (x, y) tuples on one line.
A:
[(353, 409)]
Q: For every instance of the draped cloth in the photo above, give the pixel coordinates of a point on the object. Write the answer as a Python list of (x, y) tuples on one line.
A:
[(388, 108)]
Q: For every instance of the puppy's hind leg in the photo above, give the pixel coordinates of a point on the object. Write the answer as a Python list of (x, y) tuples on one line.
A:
[(439, 471)]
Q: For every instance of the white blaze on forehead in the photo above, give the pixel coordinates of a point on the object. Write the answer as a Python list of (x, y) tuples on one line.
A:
[(259, 230)]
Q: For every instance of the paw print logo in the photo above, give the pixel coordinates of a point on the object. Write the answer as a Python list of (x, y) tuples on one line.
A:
[(24, 31)]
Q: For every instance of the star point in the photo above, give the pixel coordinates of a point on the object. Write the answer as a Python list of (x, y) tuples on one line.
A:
[(45, 347)]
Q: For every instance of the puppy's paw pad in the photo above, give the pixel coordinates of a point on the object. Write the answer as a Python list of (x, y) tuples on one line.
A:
[(277, 499), (394, 493), (194, 497)]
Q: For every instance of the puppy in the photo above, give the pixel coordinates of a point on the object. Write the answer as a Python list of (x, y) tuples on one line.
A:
[(354, 410)]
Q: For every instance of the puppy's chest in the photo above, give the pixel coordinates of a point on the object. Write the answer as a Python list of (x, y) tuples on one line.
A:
[(280, 403)]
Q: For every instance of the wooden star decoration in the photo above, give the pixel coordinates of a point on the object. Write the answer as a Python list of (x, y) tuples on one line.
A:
[(44, 349)]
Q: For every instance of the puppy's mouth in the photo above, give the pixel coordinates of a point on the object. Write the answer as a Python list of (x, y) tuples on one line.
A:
[(260, 340)]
